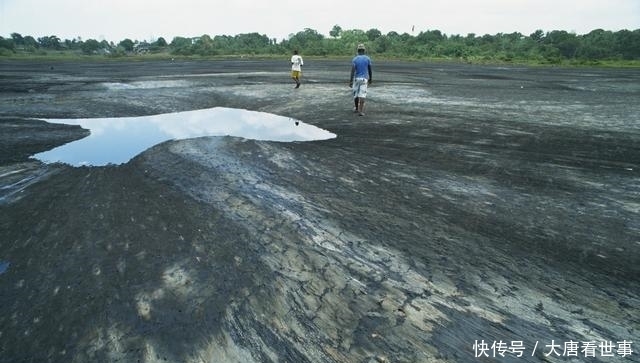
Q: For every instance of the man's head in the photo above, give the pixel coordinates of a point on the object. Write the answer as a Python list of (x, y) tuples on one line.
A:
[(361, 48), (295, 52)]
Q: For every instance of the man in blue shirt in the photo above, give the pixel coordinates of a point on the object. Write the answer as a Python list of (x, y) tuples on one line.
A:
[(361, 77)]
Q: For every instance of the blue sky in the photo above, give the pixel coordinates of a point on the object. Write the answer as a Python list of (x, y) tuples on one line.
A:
[(115, 20)]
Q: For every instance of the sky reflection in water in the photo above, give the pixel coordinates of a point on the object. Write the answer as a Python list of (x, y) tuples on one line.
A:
[(118, 140)]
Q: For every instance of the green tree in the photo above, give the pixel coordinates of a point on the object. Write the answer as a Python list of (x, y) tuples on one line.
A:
[(373, 34), (537, 36), (430, 36), (182, 46), (336, 31), (470, 40), (552, 47), (104, 44), (73, 44), (627, 44), (550, 54), (566, 43), (308, 40), (17, 39), (30, 43), (251, 42), (7, 44), (351, 38), (204, 46), (50, 42), (225, 43), (382, 44), (126, 44), (161, 42), (456, 47), (90, 46), (596, 45), (428, 43)]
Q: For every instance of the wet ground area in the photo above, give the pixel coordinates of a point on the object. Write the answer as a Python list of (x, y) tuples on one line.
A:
[(116, 140), (474, 214)]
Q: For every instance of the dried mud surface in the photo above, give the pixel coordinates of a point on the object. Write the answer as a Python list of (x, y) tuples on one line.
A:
[(470, 203)]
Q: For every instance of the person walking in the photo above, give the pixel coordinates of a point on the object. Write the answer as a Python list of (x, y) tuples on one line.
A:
[(296, 68), (361, 77)]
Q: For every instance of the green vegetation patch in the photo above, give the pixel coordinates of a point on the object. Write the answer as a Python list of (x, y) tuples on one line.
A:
[(597, 48)]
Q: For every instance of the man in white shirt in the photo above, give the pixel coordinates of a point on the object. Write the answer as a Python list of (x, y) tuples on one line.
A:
[(296, 67)]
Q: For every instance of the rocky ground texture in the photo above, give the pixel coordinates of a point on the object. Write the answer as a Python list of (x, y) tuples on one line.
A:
[(471, 204)]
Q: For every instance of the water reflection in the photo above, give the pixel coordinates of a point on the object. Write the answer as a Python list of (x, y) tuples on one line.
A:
[(117, 140)]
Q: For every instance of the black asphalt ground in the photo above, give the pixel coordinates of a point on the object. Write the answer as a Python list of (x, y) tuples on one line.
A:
[(472, 205)]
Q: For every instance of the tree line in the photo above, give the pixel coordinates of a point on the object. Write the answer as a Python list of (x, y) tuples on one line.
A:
[(543, 47)]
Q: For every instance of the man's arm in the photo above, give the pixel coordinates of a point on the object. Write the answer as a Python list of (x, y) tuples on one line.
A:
[(353, 71), (370, 73)]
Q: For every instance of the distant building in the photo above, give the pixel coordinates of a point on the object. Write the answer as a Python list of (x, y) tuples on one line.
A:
[(142, 47)]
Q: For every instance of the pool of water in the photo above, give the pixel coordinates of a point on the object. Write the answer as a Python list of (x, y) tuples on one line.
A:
[(118, 140)]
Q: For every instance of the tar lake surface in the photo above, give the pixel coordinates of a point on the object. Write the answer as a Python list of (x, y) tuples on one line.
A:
[(476, 213)]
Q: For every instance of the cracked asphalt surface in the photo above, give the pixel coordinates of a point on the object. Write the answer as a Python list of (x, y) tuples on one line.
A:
[(471, 203)]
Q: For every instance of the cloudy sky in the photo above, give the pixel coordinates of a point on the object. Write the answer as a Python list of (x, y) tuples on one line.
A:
[(115, 20)]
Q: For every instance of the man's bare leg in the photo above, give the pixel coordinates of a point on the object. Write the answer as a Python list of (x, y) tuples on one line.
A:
[(361, 106)]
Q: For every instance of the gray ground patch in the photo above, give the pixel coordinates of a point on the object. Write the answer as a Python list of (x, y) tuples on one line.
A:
[(473, 210)]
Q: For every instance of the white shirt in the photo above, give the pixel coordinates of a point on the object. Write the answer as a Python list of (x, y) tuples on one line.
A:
[(296, 63)]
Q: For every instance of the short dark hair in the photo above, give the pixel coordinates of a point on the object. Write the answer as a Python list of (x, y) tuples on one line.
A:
[(295, 51)]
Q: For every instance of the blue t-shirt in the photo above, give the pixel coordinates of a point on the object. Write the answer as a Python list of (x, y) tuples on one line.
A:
[(362, 63)]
